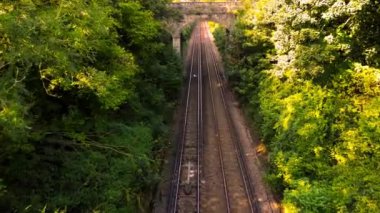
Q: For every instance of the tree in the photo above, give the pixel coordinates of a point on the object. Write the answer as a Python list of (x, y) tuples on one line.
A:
[(308, 73), (76, 132)]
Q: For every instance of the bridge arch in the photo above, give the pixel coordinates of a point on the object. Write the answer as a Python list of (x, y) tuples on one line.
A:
[(219, 12)]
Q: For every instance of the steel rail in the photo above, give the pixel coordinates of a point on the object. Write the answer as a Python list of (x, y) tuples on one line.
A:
[(176, 181), (221, 160), (200, 119), (172, 206), (238, 149)]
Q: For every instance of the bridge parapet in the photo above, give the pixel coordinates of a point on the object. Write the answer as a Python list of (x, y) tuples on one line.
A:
[(233, 3), (205, 7)]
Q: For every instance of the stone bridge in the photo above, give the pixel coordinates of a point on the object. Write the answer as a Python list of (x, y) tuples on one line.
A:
[(219, 12)]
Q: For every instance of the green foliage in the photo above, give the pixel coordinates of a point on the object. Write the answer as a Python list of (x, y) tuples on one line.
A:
[(2, 188), (308, 73), (86, 91), (139, 25), (186, 32)]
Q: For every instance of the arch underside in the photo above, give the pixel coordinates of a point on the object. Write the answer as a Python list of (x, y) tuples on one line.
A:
[(175, 28)]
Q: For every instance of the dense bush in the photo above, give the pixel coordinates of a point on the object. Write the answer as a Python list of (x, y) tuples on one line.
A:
[(309, 74), (86, 90)]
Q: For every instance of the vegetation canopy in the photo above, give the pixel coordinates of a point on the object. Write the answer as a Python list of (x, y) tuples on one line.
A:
[(86, 93), (309, 74)]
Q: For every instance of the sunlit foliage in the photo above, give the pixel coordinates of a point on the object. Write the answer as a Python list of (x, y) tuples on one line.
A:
[(86, 91), (309, 74)]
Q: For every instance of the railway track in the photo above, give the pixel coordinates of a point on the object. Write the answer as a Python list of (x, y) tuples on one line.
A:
[(185, 189), (209, 171), (234, 161)]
